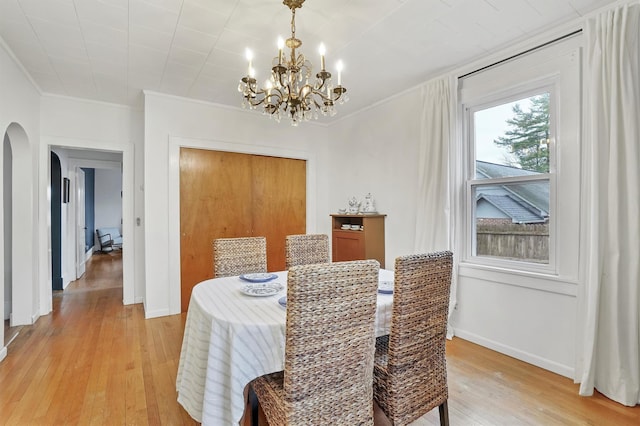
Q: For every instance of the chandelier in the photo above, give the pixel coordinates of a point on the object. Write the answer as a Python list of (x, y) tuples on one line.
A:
[(288, 91)]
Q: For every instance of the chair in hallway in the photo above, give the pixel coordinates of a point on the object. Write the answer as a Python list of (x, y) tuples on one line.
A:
[(109, 239), (306, 249), (410, 371), (330, 342), (236, 256)]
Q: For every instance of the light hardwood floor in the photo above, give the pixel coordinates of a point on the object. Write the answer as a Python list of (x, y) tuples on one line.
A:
[(95, 361)]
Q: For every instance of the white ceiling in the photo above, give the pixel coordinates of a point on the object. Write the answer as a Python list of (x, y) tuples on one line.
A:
[(109, 50)]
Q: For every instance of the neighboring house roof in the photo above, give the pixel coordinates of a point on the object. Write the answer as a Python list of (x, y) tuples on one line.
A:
[(524, 203), (517, 210)]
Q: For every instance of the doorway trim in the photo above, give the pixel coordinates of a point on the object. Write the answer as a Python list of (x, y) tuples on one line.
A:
[(128, 211), (175, 143)]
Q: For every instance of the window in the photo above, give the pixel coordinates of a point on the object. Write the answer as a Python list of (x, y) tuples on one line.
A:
[(518, 180), (510, 186), (520, 176)]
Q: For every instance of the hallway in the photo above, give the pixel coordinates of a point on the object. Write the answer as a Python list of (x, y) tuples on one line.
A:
[(93, 360)]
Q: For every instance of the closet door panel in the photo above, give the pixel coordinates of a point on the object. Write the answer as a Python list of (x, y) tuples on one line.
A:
[(215, 202), (279, 203)]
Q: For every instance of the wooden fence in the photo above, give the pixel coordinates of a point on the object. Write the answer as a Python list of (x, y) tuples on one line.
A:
[(529, 242)]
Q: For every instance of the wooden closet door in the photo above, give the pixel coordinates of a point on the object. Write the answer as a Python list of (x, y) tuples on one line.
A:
[(279, 203), (215, 202), (226, 195)]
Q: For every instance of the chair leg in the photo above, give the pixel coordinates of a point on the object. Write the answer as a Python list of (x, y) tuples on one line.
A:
[(444, 414), (253, 402)]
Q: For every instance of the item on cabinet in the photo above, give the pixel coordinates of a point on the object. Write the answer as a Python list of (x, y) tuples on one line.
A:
[(342, 211), (369, 206), (354, 205)]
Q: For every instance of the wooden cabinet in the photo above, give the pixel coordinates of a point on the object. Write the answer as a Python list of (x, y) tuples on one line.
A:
[(366, 242)]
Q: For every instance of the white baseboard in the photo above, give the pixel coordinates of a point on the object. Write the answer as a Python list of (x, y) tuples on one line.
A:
[(34, 318), (157, 313), (12, 338), (563, 370), (3, 353)]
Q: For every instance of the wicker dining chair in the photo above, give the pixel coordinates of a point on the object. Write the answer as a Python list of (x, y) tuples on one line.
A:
[(410, 371), (329, 348), (235, 256), (306, 249)]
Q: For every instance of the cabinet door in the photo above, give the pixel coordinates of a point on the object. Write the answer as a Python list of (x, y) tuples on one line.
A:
[(347, 246)]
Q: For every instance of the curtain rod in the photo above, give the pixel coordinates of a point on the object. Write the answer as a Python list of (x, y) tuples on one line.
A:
[(571, 34)]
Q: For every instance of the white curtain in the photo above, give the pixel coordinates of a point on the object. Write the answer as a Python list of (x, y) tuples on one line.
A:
[(433, 204), (610, 359)]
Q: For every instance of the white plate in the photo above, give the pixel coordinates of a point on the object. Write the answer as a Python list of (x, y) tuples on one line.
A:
[(385, 287), (261, 289), (258, 277)]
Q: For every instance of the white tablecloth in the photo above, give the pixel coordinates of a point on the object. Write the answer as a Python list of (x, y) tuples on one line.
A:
[(230, 339)]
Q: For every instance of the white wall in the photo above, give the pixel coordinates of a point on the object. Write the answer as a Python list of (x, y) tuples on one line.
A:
[(19, 104), (376, 151), (108, 201), (171, 122)]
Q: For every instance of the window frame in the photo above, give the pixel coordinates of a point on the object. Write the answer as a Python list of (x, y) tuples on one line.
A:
[(527, 90)]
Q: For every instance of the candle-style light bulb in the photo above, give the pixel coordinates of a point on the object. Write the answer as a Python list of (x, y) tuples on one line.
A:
[(280, 47), (249, 55), (268, 85), (322, 51), (339, 67)]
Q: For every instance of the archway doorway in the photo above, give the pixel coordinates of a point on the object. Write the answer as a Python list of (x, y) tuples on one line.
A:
[(20, 263)]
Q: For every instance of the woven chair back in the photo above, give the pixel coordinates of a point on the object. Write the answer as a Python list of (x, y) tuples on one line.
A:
[(236, 256), (330, 343), (306, 249), (416, 364)]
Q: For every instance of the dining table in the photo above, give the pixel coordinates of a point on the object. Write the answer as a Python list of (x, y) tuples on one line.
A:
[(232, 336)]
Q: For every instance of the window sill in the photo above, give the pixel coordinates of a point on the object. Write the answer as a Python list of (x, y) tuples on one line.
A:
[(533, 280)]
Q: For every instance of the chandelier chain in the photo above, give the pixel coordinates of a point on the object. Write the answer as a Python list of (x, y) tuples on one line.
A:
[(293, 23)]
